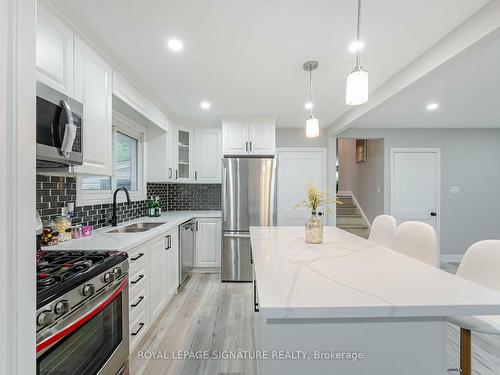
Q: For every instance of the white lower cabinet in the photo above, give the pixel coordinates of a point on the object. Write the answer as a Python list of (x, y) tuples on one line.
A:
[(158, 271), (208, 242), (172, 239), (153, 281)]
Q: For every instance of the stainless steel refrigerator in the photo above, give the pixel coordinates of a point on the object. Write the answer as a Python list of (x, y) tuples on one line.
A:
[(248, 199)]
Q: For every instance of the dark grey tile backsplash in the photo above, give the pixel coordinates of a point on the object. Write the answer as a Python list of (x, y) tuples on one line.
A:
[(54, 192), (194, 197)]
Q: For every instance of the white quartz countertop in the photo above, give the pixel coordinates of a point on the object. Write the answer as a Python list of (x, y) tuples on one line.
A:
[(101, 240), (349, 277)]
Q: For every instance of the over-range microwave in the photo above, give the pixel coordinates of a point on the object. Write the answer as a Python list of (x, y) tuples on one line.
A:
[(58, 130)]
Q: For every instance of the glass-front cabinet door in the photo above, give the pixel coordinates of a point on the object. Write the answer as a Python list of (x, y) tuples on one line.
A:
[(184, 154)]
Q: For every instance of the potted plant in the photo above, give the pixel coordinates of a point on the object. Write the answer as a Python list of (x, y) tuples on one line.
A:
[(314, 200)]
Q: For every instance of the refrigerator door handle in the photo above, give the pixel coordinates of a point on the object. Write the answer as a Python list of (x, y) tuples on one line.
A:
[(224, 187), (234, 235)]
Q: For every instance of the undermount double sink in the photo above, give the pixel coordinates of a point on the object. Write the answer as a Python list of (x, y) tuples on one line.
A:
[(136, 228)]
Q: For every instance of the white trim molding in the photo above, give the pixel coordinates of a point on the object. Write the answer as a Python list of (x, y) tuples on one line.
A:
[(451, 258), (17, 187), (128, 127)]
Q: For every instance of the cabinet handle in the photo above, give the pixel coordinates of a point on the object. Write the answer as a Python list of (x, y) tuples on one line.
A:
[(138, 256), (246, 146), (255, 303), (176, 174), (195, 175), (139, 330), (251, 146), (169, 242), (197, 226), (138, 279), (138, 301), (169, 172)]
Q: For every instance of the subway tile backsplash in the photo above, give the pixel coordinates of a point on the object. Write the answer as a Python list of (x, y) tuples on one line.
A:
[(183, 197), (54, 192)]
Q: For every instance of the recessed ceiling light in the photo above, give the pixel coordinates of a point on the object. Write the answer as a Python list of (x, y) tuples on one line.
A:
[(175, 45), (356, 46), (432, 106), (308, 105), (205, 105)]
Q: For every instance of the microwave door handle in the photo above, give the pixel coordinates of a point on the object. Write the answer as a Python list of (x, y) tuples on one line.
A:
[(69, 131)]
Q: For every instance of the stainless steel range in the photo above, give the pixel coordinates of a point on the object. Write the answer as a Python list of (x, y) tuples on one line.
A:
[(82, 313)]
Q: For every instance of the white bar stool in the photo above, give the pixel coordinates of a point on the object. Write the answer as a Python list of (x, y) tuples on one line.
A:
[(417, 240), (382, 231), (481, 265)]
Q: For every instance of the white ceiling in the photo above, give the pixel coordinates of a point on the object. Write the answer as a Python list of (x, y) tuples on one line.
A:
[(467, 91), (245, 57)]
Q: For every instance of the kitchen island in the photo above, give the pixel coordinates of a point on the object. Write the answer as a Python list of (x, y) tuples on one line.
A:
[(349, 306)]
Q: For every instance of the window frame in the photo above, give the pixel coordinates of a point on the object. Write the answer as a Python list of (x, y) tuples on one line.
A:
[(131, 129)]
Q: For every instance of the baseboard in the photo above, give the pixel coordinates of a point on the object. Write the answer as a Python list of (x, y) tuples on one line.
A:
[(205, 270), (451, 258)]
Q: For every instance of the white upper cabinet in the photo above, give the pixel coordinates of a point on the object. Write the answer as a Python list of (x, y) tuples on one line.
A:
[(183, 154), (208, 156), (261, 135), (54, 52), (159, 154), (235, 137), (93, 87), (208, 242), (248, 137)]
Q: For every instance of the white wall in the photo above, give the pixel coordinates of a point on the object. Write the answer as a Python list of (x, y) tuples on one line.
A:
[(470, 158), (296, 137), (364, 180)]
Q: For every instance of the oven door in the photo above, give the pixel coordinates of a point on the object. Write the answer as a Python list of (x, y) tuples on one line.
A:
[(94, 339), (58, 127)]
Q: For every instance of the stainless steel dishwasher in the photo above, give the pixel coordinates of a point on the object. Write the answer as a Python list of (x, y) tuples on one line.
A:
[(187, 232)]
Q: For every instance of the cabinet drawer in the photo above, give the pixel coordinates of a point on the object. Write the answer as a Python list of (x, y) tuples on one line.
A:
[(138, 301), (136, 257), (138, 279), (138, 328)]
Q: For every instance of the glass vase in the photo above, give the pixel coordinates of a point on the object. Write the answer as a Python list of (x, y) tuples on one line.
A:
[(314, 229)]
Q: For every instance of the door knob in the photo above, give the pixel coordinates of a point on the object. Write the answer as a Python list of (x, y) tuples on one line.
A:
[(433, 214)]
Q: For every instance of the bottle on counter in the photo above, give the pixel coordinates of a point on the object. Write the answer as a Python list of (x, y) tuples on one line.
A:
[(151, 209), (157, 206)]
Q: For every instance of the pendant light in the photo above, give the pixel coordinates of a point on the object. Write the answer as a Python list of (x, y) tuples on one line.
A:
[(312, 123), (357, 81)]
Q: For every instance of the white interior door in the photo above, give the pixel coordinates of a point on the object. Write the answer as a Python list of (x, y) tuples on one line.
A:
[(416, 185), (296, 168)]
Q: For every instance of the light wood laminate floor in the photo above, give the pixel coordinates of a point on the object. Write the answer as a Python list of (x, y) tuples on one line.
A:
[(208, 315)]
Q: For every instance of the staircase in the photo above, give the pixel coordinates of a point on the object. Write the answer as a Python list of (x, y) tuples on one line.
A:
[(349, 218)]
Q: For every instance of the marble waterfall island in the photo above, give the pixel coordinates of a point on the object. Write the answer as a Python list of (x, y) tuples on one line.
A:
[(352, 306)]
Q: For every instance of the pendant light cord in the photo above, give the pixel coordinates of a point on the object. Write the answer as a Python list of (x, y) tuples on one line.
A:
[(311, 91), (357, 36)]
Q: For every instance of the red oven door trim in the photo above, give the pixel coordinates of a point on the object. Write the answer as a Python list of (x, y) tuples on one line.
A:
[(51, 340)]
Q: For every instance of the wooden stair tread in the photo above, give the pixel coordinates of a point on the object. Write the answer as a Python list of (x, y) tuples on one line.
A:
[(352, 226)]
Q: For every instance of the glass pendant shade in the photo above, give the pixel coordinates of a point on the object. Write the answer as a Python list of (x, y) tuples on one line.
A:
[(357, 87), (312, 127)]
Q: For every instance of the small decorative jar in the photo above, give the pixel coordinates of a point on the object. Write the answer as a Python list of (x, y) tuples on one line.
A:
[(76, 232), (86, 230), (314, 228)]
